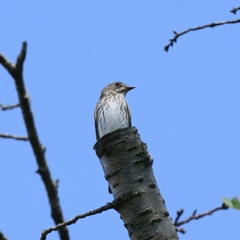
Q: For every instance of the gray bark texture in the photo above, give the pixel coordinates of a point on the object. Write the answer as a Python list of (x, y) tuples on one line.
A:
[(128, 169)]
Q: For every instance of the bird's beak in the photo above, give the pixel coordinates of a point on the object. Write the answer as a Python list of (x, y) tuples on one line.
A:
[(129, 88)]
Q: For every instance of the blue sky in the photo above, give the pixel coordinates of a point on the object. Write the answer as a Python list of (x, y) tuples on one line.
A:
[(186, 107)]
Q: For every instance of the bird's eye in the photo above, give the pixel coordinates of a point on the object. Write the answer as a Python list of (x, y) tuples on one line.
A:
[(117, 84)]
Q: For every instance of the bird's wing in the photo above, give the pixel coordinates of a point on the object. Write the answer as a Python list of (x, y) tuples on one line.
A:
[(96, 123), (128, 115)]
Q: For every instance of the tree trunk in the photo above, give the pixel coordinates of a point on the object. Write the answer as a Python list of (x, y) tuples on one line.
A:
[(128, 168)]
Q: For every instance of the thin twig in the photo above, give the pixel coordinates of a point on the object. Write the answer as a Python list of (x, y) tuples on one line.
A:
[(234, 10), (211, 25), (6, 64), (181, 230), (2, 237), (9, 107), (179, 214), (115, 204), (76, 218), (5, 135), (194, 216), (16, 71)]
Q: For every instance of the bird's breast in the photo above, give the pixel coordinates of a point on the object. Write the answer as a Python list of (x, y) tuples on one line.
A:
[(112, 115)]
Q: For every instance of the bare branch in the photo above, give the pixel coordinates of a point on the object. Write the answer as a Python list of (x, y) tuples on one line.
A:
[(127, 166), (21, 57), (211, 25), (181, 230), (9, 107), (16, 71), (76, 218), (6, 64), (179, 214), (234, 10), (113, 205), (2, 237), (5, 135), (194, 216)]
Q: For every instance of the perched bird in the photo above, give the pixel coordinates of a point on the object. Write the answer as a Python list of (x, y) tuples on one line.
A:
[(112, 111)]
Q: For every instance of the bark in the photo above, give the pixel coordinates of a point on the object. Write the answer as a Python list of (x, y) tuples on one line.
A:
[(128, 169)]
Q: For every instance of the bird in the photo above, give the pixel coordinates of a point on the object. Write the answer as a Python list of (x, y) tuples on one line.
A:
[(112, 111)]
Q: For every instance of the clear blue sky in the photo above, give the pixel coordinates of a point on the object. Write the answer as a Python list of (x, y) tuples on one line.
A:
[(186, 107)]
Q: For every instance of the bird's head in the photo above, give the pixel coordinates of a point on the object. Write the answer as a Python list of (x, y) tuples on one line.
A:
[(117, 87)]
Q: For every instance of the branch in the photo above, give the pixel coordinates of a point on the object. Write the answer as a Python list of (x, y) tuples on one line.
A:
[(211, 25), (4, 135), (234, 10), (76, 218), (194, 216), (181, 230), (6, 64), (16, 71), (9, 107), (127, 167), (115, 204), (2, 237)]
